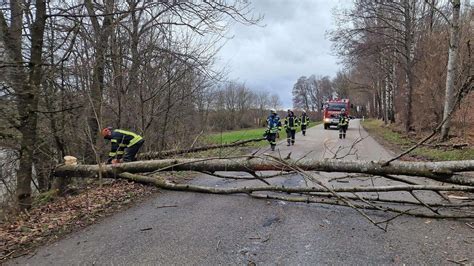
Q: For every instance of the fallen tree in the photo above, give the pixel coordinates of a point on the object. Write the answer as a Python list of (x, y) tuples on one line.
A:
[(168, 153), (315, 191), (356, 202), (441, 171)]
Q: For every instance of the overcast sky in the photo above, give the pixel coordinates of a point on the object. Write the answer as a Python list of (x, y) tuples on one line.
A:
[(292, 43)]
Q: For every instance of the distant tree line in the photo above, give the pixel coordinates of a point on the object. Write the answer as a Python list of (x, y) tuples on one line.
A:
[(409, 61), (310, 93), (233, 105)]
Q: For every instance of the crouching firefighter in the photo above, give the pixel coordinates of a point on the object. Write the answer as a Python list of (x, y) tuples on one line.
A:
[(291, 123), (304, 122), (343, 124), (125, 144), (274, 126)]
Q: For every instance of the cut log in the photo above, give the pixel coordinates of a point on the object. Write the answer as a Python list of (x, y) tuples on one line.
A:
[(441, 171), (165, 154)]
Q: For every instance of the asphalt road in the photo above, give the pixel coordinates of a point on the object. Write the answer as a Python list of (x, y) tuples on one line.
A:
[(213, 229)]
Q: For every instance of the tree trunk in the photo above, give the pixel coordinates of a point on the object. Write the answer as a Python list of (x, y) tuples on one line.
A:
[(101, 44), (163, 183), (392, 91), (441, 171), (409, 48), (386, 99), (27, 87), (452, 68)]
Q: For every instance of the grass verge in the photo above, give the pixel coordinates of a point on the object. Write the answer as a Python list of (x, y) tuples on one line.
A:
[(238, 135), (243, 134), (399, 142)]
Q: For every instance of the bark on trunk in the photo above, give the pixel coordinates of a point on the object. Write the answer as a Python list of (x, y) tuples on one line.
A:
[(409, 53), (101, 44), (26, 86), (452, 68), (441, 171), (163, 183)]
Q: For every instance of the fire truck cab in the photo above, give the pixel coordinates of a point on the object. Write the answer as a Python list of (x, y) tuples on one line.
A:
[(332, 109)]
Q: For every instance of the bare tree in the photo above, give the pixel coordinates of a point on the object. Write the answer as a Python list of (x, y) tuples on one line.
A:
[(275, 101), (452, 69), (301, 94), (25, 79)]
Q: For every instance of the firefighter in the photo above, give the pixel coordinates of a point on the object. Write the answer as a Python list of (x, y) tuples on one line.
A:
[(343, 124), (291, 123), (304, 122), (125, 144), (273, 127)]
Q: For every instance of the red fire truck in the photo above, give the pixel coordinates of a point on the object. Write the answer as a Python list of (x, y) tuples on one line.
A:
[(332, 109)]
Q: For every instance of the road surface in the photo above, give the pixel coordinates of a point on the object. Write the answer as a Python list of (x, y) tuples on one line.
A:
[(215, 229)]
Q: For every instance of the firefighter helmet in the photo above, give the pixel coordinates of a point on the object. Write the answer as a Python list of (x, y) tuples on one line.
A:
[(273, 111)]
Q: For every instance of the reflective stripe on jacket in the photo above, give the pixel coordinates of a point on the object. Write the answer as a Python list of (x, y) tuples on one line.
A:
[(274, 123), (343, 120), (291, 122), (129, 138), (304, 120)]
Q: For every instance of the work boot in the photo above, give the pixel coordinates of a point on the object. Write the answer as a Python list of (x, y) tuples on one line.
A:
[(340, 136), (272, 147), (304, 133)]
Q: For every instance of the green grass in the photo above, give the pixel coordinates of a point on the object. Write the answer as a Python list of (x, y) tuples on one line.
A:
[(445, 155), (244, 134), (402, 142), (233, 136), (377, 127)]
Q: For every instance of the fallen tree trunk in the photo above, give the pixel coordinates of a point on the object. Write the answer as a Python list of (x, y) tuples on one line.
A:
[(447, 145), (163, 183), (441, 171), (366, 207), (165, 154)]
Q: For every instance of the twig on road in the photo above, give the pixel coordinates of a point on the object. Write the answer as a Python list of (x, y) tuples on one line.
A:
[(167, 206), (460, 262)]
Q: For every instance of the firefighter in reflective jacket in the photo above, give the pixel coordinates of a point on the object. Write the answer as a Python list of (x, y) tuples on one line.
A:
[(291, 123), (304, 122), (273, 127), (125, 144), (343, 123)]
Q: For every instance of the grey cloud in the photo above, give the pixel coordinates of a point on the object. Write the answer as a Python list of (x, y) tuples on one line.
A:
[(291, 44)]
